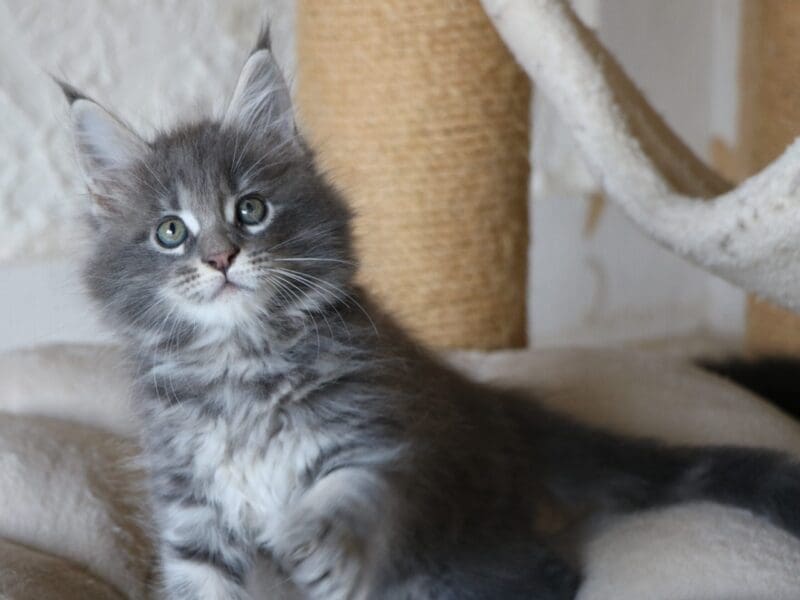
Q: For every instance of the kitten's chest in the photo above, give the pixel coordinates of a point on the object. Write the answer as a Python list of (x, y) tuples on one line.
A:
[(255, 476)]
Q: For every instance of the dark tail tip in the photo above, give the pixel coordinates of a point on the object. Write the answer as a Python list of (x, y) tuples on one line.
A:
[(773, 378)]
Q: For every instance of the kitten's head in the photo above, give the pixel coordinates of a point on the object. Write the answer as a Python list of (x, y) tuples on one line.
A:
[(221, 223)]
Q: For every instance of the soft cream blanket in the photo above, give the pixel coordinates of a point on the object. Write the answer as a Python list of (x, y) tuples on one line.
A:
[(69, 528)]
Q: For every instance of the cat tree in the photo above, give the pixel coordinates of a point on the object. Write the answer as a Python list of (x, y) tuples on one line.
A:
[(429, 116)]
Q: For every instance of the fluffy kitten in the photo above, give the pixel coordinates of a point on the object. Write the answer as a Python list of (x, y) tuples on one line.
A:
[(284, 415)]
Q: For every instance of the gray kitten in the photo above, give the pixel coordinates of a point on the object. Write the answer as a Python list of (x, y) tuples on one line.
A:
[(285, 416)]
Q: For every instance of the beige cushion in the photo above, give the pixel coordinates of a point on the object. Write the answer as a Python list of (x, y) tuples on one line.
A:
[(27, 574)]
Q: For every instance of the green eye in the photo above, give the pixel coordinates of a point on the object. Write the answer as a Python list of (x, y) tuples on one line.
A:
[(251, 210), (171, 232)]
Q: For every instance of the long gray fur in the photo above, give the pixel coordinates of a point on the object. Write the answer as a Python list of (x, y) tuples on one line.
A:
[(289, 417)]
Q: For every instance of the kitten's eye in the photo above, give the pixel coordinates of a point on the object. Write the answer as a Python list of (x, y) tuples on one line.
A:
[(251, 210), (171, 232)]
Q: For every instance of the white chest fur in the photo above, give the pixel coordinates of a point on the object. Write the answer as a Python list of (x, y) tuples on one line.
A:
[(254, 478)]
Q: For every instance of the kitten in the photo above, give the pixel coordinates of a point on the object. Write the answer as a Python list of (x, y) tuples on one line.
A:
[(284, 415)]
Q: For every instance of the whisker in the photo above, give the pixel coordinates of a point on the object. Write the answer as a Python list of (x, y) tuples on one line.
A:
[(345, 297), (297, 277), (307, 297), (282, 285), (309, 259)]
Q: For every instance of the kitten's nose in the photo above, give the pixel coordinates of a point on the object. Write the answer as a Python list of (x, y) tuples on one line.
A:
[(222, 260)]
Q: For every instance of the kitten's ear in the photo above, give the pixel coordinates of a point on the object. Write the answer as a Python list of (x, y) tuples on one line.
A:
[(105, 145), (261, 102)]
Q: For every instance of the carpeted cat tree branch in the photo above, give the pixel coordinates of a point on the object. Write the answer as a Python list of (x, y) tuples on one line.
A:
[(750, 234)]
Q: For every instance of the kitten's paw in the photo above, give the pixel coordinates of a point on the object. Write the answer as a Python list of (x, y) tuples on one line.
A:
[(322, 558)]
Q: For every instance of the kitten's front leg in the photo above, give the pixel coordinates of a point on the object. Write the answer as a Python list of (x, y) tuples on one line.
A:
[(200, 560), (333, 539)]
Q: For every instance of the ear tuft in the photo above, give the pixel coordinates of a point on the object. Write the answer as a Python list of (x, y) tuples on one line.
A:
[(264, 40), (72, 93), (261, 103)]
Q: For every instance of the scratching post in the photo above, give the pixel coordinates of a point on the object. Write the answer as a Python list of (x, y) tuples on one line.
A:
[(770, 120), (420, 115)]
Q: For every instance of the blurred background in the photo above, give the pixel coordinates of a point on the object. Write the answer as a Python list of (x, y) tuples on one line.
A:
[(591, 278)]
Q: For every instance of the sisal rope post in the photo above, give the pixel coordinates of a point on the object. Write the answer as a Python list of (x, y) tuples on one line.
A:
[(420, 115)]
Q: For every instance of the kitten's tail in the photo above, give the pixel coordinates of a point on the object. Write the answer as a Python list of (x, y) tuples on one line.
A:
[(773, 378), (586, 467)]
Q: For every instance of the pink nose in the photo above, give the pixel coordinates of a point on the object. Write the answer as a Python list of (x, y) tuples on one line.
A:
[(222, 260)]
